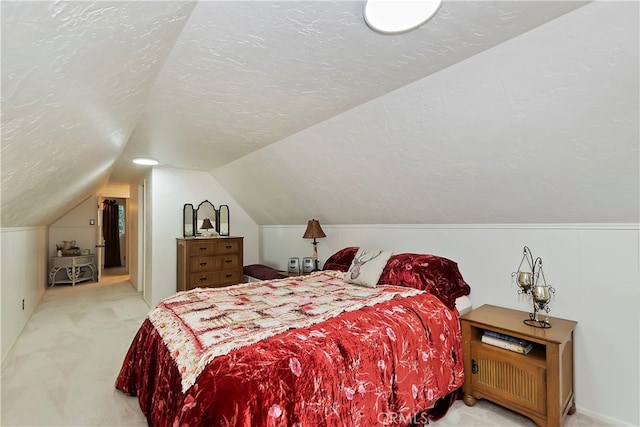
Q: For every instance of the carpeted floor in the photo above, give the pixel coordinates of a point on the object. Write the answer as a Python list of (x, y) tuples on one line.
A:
[(62, 368)]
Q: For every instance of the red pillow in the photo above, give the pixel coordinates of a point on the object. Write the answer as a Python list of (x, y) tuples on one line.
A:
[(436, 275), (341, 260)]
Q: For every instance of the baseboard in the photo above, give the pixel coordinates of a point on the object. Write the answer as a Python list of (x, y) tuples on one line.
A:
[(606, 420)]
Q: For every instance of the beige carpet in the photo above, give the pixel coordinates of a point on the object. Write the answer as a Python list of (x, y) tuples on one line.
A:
[(62, 368)]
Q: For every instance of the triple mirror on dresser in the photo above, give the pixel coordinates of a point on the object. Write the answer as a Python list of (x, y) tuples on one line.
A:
[(188, 215), (194, 221)]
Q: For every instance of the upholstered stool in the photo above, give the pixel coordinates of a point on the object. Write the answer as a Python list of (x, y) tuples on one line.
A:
[(256, 272)]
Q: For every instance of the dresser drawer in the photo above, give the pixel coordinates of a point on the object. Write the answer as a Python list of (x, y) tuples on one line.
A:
[(227, 247), (202, 248), (214, 279), (227, 262), (200, 264), (204, 279), (229, 277)]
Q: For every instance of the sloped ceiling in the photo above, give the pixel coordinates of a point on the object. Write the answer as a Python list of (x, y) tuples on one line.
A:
[(492, 112), (75, 76), (542, 128)]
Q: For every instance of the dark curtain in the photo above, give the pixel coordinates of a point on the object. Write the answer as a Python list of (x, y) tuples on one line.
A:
[(111, 232)]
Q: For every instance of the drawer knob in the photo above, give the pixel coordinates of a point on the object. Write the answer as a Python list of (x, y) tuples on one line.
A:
[(228, 261), (229, 246), (203, 279), (202, 264), (229, 275), (203, 248)]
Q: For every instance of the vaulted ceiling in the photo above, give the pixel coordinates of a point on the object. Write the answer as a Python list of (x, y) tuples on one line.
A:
[(492, 112)]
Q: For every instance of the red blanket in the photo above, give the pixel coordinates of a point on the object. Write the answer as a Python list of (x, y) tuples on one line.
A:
[(379, 365)]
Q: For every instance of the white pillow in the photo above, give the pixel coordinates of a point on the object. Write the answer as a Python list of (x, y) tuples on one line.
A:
[(367, 266)]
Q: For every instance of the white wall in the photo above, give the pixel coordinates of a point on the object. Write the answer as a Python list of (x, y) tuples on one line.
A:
[(24, 272), (147, 235), (595, 270), (170, 189), (74, 225), (134, 224)]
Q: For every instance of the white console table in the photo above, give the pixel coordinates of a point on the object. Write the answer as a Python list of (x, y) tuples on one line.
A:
[(72, 269)]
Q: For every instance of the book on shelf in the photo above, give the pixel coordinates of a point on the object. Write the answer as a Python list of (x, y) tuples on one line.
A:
[(504, 337), (524, 348)]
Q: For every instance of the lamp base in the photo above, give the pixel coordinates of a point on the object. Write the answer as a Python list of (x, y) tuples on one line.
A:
[(315, 255), (536, 323), (534, 320)]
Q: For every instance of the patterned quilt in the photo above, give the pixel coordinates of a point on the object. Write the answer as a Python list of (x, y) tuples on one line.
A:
[(308, 351), (201, 324)]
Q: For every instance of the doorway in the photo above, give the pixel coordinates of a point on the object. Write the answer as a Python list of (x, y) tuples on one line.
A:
[(114, 237)]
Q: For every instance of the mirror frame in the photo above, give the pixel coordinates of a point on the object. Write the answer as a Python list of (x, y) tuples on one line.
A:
[(197, 220), (221, 209), (191, 216)]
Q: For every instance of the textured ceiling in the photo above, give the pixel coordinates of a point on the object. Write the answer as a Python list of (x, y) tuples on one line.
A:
[(75, 76), (491, 112), (244, 75), (540, 129)]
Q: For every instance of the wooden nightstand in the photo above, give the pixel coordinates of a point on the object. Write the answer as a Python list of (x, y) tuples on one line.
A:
[(538, 385)]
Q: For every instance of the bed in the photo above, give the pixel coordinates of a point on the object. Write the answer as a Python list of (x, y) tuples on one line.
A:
[(314, 350)]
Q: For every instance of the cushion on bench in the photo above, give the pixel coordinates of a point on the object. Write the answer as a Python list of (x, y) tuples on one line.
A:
[(261, 272)]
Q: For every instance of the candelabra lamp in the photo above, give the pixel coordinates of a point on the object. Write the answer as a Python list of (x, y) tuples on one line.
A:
[(532, 283), (314, 231)]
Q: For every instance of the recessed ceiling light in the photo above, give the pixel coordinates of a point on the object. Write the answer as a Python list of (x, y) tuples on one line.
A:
[(399, 16), (145, 161)]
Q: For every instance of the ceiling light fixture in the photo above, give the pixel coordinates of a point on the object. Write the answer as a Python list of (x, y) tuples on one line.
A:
[(396, 17), (145, 161)]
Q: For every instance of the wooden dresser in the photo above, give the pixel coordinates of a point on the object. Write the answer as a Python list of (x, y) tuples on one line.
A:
[(209, 262)]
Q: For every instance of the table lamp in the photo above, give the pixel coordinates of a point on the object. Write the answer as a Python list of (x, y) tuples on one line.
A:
[(314, 231)]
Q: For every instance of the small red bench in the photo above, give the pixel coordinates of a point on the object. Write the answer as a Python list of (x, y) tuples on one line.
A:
[(260, 272)]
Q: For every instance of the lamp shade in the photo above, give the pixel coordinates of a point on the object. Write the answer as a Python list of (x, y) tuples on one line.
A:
[(313, 231), (206, 224)]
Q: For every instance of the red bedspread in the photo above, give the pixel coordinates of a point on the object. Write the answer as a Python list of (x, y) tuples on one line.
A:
[(379, 365)]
